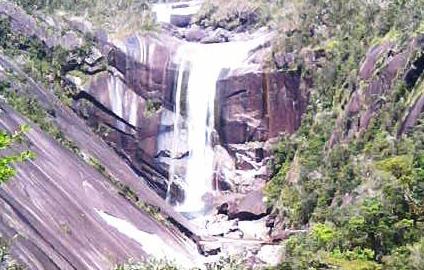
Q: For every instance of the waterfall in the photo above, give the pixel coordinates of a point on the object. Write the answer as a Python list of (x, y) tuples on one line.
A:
[(177, 118), (205, 62)]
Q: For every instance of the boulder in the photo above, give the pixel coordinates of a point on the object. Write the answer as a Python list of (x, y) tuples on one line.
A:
[(217, 36), (94, 57), (220, 226), (271, 255), (244, 207), (180, 20), (71, 41), (80, 24), (195, 34), (254, 229)]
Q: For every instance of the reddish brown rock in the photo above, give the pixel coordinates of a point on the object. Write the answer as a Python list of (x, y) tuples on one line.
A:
[(413, 116), (366, 102), (258, 106)]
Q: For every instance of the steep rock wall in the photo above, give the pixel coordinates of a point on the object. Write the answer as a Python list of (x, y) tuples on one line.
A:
[(252, 105), (54, 212)]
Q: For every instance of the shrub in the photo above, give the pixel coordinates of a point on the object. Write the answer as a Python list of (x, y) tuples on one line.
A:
[(233, 14), (6, 161), (323, 234)]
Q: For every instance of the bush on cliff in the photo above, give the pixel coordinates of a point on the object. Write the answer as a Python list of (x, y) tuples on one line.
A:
[(237, 15), (7, 160)]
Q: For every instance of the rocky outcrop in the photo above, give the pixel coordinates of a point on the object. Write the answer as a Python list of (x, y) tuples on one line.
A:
[(91, 146), (413, 116), (44, 31), (378, 72), (57, 205), (380, 68), (411, 78)]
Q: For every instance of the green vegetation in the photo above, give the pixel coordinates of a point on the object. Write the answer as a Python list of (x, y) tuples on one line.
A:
[(8, 158), (152, 108), (127, 15), (148, 265), (362, 199), (6, 261), (6, 161), (232, 15), (32, 109), (46, 65), (224, 263)]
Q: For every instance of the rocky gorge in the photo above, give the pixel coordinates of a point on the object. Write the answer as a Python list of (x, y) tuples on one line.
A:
[(191, 143)]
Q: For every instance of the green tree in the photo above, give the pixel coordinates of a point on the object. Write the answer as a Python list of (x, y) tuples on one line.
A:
[(7, 160)]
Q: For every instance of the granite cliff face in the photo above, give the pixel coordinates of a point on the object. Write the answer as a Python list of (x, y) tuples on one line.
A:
[(378, 74), (63, 214), (253, 106)]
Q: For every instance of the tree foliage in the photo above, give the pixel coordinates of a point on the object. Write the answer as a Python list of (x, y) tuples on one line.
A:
[(7, 160)]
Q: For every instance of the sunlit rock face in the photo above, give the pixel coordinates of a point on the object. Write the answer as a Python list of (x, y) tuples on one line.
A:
[(184, 112), (130, 98), (179, 14)]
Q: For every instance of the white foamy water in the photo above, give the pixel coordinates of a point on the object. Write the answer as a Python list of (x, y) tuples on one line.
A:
[(206, 62)]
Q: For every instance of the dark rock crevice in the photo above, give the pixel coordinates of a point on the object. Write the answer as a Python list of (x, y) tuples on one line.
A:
[(239, 92)]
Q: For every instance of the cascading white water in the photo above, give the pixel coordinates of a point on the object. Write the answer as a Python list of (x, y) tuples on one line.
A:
[(206, 62)]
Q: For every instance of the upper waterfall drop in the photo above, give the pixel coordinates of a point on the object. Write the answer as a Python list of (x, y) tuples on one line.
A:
[(205, 63)]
